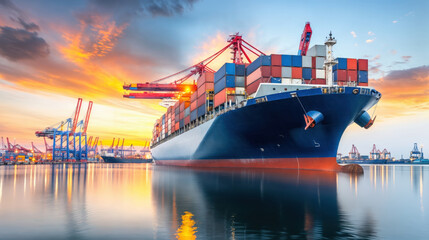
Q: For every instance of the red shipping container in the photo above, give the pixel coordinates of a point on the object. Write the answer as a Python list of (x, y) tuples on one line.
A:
[(201, 100), (194, 96), (313, 63), (351, 75), (313, 73), (181, 115), (266, 71), (276, 71), (187, 120), (341, 83), (341, 75), (193, 105), (319, 81), (351, 64), (176, 126), (363, 84), (205, 77), (276, 60), (208, 86), (220, 97), (252, 88), (296, 72), (182, 106), (363, 64), (169, 109)]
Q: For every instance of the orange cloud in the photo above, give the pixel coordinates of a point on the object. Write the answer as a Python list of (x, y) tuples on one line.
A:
[(404, 91)]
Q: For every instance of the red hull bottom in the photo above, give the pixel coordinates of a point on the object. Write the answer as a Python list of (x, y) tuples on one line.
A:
[(322, 163)]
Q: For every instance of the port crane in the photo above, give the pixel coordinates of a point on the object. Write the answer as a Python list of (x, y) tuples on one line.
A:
[(175, 89), (354, 153), (68, 136), (305, 40)]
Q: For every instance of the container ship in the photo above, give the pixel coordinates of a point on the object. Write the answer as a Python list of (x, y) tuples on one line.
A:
[(119, 154), (278, 111)]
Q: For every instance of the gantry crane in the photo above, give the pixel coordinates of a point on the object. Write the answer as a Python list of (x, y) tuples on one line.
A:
[(177, 88), (354, 153)]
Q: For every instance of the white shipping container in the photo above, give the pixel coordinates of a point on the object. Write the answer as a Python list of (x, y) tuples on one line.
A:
[(240, 90), (317, 51), (320, 62), (286, 80), (286, 72), (296, 81), (240, 81), (320, 74), (306, 61)]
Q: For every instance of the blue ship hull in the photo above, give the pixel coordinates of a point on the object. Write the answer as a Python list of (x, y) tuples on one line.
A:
[(269, 132)]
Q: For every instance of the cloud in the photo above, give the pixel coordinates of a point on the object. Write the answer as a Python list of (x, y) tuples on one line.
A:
[(406, 58), (375, 58), (404, 91), (31, 27), (393, 51), (371, 33), (370, 40), (18, 44), (394, 21), (376, 68), (353, 34)]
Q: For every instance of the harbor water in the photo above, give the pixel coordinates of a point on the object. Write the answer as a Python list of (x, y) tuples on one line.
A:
[(145, 201)]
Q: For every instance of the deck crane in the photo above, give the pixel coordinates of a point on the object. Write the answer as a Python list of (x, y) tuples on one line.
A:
[(354, 153), (305, 40), (177, 88)]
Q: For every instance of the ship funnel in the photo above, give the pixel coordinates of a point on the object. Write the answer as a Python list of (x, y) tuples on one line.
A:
[(312, 118), (364, 120)]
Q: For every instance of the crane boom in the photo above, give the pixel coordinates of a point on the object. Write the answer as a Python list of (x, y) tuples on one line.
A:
[(305, 40), (88, 114), (76, 115)]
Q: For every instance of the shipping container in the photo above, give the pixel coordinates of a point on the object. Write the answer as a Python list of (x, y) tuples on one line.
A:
[(320, 62), (240, 81), (201, 110), (226, 69), (306, 61), (194, 115), (287, 60), (194, 96), (296, 61), (363, 76), (276, 71), (306, 73), (181, 115), (276, 60), (223, 96), (193, 105), (363, 64), (204, 88), (260, 61), (319, 81), (363, 84), (240, 70), (204, 78), (340, 75), (317, 51), (351, 64), (264, 71), (201, 100), (252, 88), (296, 81), (342, 64), (276, 80), (227, 81), (286, 72), (181, 123), (240, 90), (296, 72), (187, 120), (320, 74), (286, 80), (351, 75)]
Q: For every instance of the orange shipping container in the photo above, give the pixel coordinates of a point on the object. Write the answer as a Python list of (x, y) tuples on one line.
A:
[(351, 64), (176, 126), (296, 72)]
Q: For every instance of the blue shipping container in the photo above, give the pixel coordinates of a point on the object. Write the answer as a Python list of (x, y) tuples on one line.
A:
[(287, 60), (266, 60), (342, 64), (181, 123), (226, 81), (276, 80), (194, 115), (335, 76), (296, 61), (363, 77), (260, 61), (240, 70), (306, 73), (226, 69), (201, 110)]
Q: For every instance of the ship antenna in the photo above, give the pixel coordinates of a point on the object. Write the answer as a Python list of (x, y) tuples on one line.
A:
[(329, 62)]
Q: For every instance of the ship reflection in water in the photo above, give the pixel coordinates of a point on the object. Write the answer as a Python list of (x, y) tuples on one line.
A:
[(144, 201)]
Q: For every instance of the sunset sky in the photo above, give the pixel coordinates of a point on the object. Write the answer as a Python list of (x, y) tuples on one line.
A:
[(52, 52)]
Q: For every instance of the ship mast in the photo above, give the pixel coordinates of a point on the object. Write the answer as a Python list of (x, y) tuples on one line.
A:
[(329, 62)]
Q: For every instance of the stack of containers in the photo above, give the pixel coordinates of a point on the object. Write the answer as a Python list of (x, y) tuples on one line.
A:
[(194, 106), (307, 69), (362, 65), (340, 71), (205, 86), (163, 126), (184, 112), (176, 115), (318, 55), (259, 71), (351, 70), (229, 80), (169, 111)]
